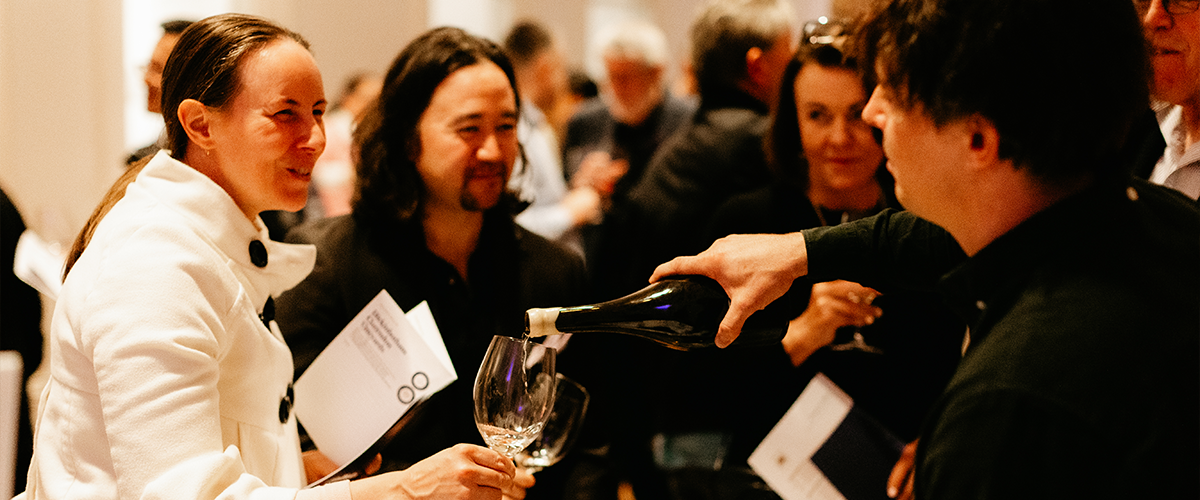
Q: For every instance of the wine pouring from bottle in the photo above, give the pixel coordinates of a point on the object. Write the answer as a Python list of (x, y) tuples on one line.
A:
[(679, 312)]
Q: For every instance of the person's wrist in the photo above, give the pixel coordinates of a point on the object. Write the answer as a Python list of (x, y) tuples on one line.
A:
[(801, 340), (799, 248)]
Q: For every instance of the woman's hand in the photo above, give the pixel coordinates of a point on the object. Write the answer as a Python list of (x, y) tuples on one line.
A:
[(317, 465), (521, 481), (463, 472), (753, 269), (832, 305)]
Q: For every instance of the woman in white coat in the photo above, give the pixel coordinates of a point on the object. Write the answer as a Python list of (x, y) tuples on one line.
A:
[(168, 377)]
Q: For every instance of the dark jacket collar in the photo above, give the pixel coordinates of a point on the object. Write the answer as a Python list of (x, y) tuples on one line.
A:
[(732, 98)]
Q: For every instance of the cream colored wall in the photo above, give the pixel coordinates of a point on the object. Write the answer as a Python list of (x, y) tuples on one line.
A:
[(60, 108), (60, 114), (348, 36)]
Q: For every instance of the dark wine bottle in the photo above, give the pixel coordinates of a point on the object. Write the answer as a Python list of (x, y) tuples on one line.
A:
[(680, 312)]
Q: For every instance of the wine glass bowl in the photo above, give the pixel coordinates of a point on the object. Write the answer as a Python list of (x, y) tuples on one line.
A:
[(561, 430), (857, 342), (514, 393)]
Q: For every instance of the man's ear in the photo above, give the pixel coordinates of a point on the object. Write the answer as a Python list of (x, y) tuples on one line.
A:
[(196, 119), (984, 144)]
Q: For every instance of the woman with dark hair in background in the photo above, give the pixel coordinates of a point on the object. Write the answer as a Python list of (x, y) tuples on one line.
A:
[(168, 375), (829, 169)]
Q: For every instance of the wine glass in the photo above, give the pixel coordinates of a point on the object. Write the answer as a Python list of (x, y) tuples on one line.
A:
[(566, 419), (857, 342), (514, 391)]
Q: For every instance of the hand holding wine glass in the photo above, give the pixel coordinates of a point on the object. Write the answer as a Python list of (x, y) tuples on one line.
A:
[(862, 300), (832, 306), (560, 431), (514, 391)]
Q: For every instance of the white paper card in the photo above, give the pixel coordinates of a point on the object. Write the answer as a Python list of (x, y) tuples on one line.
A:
[(39, 263), (422, 319), (369, 377), (784, 458)]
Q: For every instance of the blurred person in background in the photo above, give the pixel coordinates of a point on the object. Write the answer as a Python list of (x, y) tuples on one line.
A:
[(152, 76), (739, 51), (1172, 28), (333, 177), (610, 141), (555, 210)]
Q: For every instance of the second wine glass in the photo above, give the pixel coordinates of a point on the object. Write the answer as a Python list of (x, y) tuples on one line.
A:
[(514, 392), (560, 431), (856, 342)]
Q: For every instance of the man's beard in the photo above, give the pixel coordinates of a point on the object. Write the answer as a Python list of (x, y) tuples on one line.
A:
[(470, 203)]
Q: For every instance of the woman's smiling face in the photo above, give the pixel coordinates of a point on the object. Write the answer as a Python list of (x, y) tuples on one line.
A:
[(269, 136)]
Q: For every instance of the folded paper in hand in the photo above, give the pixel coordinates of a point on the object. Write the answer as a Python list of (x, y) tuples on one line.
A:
[(356, 393), (825, 448), (39, 263)]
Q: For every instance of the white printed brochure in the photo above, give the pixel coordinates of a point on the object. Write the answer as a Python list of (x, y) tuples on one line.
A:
[(361, 386), (826, 448)]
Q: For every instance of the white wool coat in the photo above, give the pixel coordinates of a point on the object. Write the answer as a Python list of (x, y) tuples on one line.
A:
[(164, 382)]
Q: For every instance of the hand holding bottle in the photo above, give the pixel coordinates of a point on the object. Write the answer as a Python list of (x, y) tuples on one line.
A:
[(754, 270)]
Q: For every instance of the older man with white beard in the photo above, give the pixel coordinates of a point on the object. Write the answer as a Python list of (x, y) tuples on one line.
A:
[(1172, 29), (610, 140)]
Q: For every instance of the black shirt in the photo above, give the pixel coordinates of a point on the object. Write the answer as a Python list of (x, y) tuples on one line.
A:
[(1082, 379)]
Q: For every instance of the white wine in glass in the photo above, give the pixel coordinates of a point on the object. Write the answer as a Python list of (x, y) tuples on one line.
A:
[(560, 431), (514, 391)]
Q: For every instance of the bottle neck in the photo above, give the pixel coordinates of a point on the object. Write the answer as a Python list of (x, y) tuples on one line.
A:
[(539, 322)]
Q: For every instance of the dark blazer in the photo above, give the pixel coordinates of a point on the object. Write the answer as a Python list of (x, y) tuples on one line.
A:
[(717, 155), (714, 156)]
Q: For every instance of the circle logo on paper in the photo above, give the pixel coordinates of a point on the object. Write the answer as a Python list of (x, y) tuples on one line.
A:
[(406, 394), (420, 380)]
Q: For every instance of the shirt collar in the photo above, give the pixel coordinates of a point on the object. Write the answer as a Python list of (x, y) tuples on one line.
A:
[(215, 215), (993, 277)]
